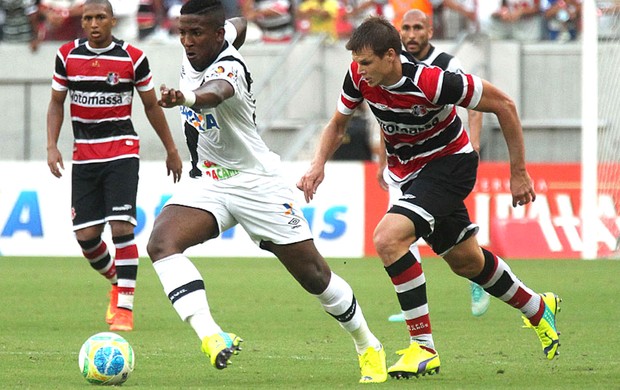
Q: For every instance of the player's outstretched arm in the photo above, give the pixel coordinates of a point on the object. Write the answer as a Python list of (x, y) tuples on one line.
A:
[(55, 115), (208, 95), (330, 141)]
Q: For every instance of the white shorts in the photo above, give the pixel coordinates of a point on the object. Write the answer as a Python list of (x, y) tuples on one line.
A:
[(262, 205)]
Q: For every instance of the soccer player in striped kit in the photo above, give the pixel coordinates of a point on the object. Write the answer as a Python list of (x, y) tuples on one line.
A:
[(431, 158), (415, 32), (100, 73)]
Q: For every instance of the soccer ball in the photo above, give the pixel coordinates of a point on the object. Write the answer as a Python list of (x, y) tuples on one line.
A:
[(106, 359)]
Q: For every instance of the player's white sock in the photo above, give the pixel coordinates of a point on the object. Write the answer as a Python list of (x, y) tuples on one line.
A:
[(185, 288), (339, 301), (203, 324), (425, 340)]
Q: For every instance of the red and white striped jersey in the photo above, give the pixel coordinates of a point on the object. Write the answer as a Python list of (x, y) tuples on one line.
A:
[(417, 115), (100, 83)]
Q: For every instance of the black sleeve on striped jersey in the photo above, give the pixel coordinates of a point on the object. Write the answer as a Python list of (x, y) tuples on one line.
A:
[(60, 67), (442, 60), (349, 88), (452, 88), (143, 69)]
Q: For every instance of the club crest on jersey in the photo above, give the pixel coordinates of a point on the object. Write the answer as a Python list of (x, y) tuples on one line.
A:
[(113, 78), (419, 110)]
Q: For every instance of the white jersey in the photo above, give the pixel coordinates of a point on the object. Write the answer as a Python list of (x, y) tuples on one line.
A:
[(241, 181), (226, 136)]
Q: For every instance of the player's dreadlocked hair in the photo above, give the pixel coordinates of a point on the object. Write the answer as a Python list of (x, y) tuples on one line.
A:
[(376, 34)]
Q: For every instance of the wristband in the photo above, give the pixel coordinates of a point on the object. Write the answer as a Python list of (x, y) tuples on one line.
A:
[(190, 98)]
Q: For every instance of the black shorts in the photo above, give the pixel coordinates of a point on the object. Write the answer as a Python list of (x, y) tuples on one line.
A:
[(105, 191), (434, 201)]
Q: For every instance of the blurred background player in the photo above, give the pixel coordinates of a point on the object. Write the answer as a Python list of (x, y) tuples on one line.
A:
[(320, 15), (561, 19), (520, 20), (21, 24), (61, 19), (100, 72), (415, 33), (396, 9), (240, 184), (274, 18)]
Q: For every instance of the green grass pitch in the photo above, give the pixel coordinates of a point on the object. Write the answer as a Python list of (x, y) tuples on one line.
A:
[(50, 306)]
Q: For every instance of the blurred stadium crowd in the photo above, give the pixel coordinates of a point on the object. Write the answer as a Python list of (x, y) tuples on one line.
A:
[(33, 21)]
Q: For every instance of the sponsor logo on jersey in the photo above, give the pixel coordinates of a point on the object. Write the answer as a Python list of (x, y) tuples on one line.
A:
[(193, 118), (216, 172), (113, 78), (83, 99), (294, 222), (394, 128), (220, 71)]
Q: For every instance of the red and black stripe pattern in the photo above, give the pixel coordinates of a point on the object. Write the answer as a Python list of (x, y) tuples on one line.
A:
[(101, 84), (417, 115)]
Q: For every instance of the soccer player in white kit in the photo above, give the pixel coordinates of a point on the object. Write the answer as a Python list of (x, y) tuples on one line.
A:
[(238, 182)]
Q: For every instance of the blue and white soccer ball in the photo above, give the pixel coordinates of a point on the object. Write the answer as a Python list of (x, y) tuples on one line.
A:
[(106, 359)]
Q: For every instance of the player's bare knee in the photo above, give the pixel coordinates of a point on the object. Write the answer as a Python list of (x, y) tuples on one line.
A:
[(465, 270), (464, 266), (312, 275), (385, 244), (156, 247), (465, 260), (316, 283)]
